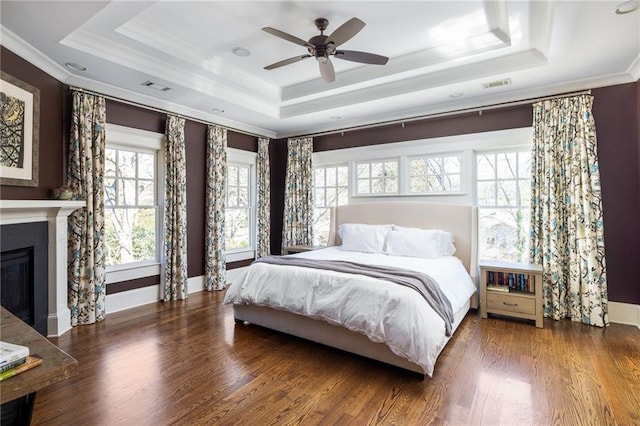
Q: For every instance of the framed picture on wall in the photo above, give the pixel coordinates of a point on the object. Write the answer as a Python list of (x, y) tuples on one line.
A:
[(19, 132)]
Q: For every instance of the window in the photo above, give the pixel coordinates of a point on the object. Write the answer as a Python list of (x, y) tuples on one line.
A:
[(238, 211), (377, 177), (434, 174), (330, 188), (133, 188), (504, 191), (240, 218), (131, 206)]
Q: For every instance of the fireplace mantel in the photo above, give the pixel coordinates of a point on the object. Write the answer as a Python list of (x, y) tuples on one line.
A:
[(55, 213)]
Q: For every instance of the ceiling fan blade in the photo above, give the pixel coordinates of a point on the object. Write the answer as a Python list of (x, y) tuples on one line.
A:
[(286, 62), (327, 72), (345, 31), (363, 57), (288, 37)]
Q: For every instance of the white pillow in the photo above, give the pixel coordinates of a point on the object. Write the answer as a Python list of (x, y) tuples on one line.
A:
[(416, 242), (364, 238)]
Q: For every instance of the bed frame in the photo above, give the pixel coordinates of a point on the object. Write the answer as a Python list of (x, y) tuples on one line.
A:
[(460, 220)]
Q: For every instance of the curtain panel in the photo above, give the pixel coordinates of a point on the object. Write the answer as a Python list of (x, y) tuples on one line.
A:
[(263, 219), (567, 235), (298, 199), (175, 238), (216, 196), (85, 176)]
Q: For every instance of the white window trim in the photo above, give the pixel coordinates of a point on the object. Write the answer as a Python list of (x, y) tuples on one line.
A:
[(238, 157), (120, 137), (464, 166), (513, 148), (466, 145), (353, 173)]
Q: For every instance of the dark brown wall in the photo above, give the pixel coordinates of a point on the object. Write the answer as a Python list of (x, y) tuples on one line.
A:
[(615, 110), (490, 120), (278, 162), (51, 131)]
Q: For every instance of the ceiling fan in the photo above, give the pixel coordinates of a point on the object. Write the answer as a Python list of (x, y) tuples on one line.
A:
[(322, 47)]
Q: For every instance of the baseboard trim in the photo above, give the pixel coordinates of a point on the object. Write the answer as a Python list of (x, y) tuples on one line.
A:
[(624, 313), (143, 296)]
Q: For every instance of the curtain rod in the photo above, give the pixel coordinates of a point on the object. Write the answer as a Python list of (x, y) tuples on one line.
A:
[(150, 108), (448, 113)]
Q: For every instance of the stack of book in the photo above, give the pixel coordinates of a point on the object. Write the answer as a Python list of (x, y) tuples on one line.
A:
[(15, 359), (509, 281)]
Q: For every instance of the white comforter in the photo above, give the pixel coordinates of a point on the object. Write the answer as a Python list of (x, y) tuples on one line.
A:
[(384, 312)]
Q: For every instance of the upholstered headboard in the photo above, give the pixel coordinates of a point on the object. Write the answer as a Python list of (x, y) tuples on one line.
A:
[(458, 219)]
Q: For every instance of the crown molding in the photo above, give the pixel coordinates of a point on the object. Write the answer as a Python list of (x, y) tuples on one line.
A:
[(144, 100), (90, 43), (634, 68), (32, 55), (460, 106)]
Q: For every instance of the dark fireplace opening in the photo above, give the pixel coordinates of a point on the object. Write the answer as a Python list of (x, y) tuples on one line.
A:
[(24, 286), (16, 273)]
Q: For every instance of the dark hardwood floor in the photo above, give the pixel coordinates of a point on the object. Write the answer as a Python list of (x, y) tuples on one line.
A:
[(189, 363)]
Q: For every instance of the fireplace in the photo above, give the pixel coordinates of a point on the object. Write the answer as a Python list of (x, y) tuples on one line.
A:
[(51, 251), (23, 272)]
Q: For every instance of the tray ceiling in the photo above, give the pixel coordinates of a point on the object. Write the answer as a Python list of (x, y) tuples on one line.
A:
[(442, 55)]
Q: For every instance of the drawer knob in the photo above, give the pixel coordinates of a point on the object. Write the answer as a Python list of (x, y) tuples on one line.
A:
[(510, 304)]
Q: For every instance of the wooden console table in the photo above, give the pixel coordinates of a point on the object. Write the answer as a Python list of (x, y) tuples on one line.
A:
[(56, 365)]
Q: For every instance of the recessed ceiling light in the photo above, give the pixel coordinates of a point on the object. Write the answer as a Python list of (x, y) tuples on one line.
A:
[(627, 7), (240, 51), (217, 110), (75, 67), (456, 94)]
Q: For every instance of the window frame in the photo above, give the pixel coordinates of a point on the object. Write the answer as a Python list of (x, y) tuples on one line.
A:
[(353, 174), (462, 155), (131, 139), (465, 145), (325, 206), (517, 179), (238, 157)]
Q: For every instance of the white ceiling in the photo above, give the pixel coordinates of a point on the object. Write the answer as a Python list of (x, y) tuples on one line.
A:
[(437, 49)]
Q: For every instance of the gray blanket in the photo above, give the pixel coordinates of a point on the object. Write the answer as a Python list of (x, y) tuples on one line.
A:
[(422, 283)]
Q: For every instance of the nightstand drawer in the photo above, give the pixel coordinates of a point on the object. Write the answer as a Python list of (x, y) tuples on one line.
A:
[(511, 303)]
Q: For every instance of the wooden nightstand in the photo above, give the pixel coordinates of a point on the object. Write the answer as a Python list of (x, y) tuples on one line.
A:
[(511, 289), (300, 249)]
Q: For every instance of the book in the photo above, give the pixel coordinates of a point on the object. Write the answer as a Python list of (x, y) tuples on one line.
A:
[(500, 288), (10, 365), (31, 362), (10, 352)]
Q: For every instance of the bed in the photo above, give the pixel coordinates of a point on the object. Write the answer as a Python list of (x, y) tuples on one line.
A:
[(416, 348)]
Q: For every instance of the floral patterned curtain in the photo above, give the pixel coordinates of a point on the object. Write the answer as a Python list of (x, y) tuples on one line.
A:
[(264, 200), (298, 198), (567, 235), (216, 202), (175, 239), (85, 176)]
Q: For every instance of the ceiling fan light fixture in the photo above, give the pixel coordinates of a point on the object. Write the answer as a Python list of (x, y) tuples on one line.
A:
[(322, 47)]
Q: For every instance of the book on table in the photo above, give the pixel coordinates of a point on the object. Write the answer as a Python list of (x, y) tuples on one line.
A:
[(31, 362), (498, 287), (12, 355)]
